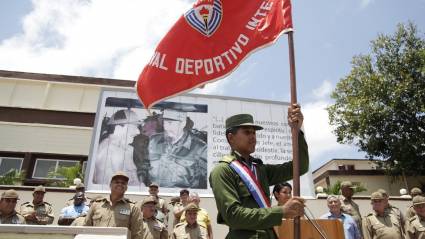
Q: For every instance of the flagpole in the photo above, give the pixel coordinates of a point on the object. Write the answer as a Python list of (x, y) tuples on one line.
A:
[(294, 131)]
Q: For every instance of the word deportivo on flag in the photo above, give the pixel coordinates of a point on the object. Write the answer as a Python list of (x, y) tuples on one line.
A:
[(208, 42)]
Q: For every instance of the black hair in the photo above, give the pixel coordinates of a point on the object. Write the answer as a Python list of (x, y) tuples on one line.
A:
[(231, 130), (279, 186), (184, 191)]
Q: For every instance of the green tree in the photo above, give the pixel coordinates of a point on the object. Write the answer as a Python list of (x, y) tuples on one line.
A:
[(380, 105)]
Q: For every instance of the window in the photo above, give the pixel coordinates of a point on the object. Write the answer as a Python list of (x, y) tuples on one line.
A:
[(43, 167), (9, 163), (341, 167), (350, 167)]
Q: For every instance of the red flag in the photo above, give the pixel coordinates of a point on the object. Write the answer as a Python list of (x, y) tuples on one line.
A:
[(208, 42)]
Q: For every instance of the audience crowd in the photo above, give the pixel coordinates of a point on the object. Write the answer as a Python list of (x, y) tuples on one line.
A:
[(148, 218)]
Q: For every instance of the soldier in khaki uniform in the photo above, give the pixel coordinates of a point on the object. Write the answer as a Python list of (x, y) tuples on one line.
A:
[(153, 228), (38, 211), (392, 209), (115, 210), (8, 215), (411, 211), (381, 224), (348, 206), (161, 205), (415, 229), (190, 229)]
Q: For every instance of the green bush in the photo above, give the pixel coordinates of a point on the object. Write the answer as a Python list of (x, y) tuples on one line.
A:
[(12, 177)]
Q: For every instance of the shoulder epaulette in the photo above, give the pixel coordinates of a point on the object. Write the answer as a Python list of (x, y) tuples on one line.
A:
[(25, 203), (258, 161), (227, 159), (180, 224), (48, 203), (370, 214), (412, 219), (100, 199), (128, 200)]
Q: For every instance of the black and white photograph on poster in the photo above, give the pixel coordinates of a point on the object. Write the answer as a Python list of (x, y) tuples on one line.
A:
[(180, 141), (166, 147)]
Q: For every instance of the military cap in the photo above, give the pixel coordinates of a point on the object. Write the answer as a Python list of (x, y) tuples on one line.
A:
[(155, 185), (241, 120), (149, 199), (40, 188), (79, 185), (175, 199), (376, 195), (415, 191), (10, 194), (383, 192), (348, 184), (174, 115), (418, 200), (120, 174), (78, 195), (192, 207), (124, 117)]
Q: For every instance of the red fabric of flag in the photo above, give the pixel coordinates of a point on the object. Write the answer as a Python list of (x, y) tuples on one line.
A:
[(208, 42)]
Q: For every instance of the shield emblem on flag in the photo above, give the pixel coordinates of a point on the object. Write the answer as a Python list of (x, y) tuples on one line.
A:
[(205, 16)]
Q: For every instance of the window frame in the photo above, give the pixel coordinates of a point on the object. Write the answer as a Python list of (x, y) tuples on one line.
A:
[(7, 157), (56, 166)]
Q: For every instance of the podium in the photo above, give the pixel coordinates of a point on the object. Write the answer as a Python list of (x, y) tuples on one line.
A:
[(333, 229)]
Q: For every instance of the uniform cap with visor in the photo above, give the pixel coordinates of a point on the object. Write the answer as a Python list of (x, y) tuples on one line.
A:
[(376, 196), (417, 200), (192, 207), (149, 199), (120, 174), (124, 117), (40, 188), (348, 184), (240, 120), (11, 193)]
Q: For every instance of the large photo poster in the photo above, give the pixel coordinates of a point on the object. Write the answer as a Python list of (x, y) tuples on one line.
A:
[(179, 142)]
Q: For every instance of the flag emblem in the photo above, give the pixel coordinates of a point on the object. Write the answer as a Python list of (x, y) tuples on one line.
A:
[(205, 16)]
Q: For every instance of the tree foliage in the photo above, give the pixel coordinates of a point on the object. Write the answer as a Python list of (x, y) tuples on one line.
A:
[(335, 189), (380, 105), (64, 176)]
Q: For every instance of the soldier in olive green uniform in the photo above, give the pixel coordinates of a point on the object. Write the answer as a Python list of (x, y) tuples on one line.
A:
[(381, 224), (8, 215), (411, 211), (393, 209), (153, 228), (115, 210), (38, 211), (348, 206), (236, 206), (190, 229), (415, 228), (178, 158)]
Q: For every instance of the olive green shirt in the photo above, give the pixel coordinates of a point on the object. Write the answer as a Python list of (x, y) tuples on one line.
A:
[(154, 229), (236, 206), (185, 231), (13, 218), (43, 211), (123, 214), (351, 208), (387, 226), (415, 229)]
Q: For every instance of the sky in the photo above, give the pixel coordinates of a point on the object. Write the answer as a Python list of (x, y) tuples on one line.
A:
[(116, 38)]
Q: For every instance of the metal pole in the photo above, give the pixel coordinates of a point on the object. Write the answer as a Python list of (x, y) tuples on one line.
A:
[(294, 131)]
